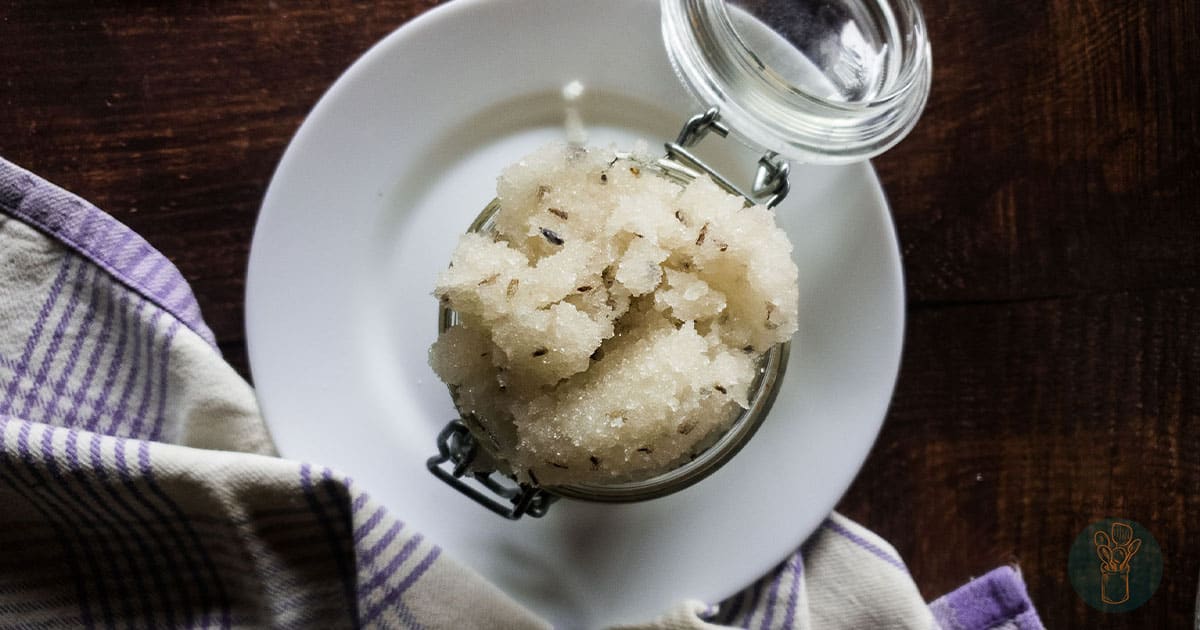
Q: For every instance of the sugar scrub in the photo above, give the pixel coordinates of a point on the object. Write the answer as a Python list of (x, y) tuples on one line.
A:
[(611, 322)]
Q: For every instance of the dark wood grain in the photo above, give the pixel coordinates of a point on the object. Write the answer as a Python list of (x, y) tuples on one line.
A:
[(1048, 207)]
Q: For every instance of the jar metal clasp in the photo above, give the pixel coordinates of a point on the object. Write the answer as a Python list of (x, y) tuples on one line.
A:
[(509, 499), (771, 183)]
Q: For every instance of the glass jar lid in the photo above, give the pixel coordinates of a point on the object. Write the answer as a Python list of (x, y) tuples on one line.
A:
[(818, 81)]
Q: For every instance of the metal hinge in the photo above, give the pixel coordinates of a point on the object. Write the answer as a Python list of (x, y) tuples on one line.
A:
[(509, 499)]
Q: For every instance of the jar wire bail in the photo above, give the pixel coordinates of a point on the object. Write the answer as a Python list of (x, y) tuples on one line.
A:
[(771, 183)]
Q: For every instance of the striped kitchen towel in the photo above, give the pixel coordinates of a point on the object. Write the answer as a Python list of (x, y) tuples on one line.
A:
[(139, 486)]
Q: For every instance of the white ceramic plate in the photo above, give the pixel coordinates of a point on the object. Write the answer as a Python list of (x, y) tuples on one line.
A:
[(398, 158)]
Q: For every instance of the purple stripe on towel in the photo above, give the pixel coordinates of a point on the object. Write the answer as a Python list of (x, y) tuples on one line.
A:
[(60, 386), (161, 279), (416, 574), (147, 273), (162, 357), (114, 242), (359, 501), (93, 234), (97, 351), (389, 571), (797, 566), (42, 377), (173, 291), (163, 379), (772, 596), (131, 378), (35, 335), (391, 598), (139, 415), (996, 599), (131, 414), (865, 544), (114, 365), (191, 310), (365, 528), (368, 557)]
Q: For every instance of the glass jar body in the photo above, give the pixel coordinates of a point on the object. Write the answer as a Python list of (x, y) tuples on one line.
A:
[(712, 454)]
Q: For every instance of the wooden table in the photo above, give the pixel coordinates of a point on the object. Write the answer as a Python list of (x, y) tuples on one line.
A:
[(1048, 208)]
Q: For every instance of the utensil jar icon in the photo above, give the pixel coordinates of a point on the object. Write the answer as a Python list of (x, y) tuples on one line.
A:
[(1115, 551), (1114, 585)]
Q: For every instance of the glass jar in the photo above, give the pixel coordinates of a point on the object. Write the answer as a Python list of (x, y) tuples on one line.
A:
[(817, 81), (467, 458)]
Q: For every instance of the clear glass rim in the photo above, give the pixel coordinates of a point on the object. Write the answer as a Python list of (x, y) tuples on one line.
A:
[(767, 111)]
